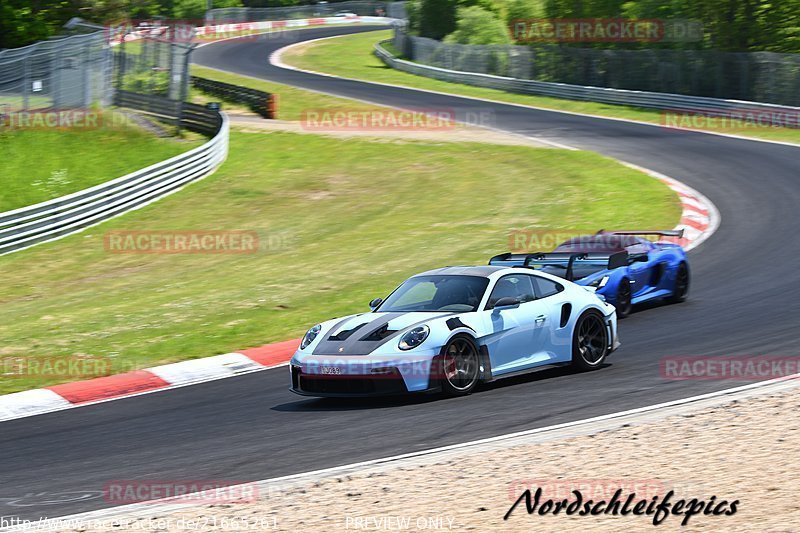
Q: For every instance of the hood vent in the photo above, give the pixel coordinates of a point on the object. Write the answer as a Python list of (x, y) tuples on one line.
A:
[(380, 333), (344, 334)]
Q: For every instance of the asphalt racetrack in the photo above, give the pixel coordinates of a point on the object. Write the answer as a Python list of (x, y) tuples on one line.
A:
[(743, 301)]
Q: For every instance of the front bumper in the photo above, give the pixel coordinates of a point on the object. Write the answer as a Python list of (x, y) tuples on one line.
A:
[(319, 375)]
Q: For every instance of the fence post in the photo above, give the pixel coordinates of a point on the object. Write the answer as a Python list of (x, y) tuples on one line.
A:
[(120, 65), (272, 106), (55, 78), (184, 83), (26, 82), (87, 74)]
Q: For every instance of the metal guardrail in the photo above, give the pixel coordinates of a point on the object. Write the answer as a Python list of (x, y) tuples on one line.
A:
[(644, 99), (228, 15), (768, 77), (193, 117), (257, 101), (27, 226)]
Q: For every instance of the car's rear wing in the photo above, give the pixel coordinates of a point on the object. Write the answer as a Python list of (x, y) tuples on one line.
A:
[(565, 259), (662, 232)]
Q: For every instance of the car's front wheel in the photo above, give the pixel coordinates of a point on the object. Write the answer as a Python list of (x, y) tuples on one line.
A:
[(460, 366), (589, 341), (624, 298)]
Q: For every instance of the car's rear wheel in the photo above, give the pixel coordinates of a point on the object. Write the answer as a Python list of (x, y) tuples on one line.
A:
[(681, 288), (624, 298), (460, 366), (589, 341)]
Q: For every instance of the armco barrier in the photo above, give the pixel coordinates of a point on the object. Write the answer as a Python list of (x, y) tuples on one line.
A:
[(257, 101), (653, 100), (56, 218), (193, 117)]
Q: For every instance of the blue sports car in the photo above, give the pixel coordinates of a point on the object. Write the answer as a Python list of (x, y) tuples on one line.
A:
[(451, 328), (624, 267)]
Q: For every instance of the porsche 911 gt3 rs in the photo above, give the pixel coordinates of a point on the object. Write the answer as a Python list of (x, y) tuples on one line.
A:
[(451, 328)]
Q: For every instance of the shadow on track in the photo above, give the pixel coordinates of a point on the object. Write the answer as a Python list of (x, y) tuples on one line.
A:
[(310, 404)]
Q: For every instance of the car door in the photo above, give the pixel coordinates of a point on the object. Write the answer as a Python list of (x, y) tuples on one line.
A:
[(639, 273), (514, 341), (556, 335)]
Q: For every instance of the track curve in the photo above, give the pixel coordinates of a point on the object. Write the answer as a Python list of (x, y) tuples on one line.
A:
[(251, 427)]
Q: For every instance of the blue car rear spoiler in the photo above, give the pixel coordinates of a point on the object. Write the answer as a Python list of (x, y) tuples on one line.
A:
[(568, 259), (662, 232)]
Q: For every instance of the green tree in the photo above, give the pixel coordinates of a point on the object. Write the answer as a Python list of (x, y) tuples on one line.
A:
[(437, 18), (196, 9), (476, 25)]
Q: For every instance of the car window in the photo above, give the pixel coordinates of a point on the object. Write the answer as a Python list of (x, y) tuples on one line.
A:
[(513, 286), (456, 293), (546, 287), (417, 295)]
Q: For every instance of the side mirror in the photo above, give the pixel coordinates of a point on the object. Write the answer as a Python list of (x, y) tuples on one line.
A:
[(375, 303), (617, 260), (506, 302)]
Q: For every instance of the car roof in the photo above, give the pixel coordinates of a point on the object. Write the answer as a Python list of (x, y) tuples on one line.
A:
[(482, 271)]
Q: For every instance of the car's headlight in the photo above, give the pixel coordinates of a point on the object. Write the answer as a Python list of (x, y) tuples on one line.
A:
[(413, 337), (310, 335), (599, 283)]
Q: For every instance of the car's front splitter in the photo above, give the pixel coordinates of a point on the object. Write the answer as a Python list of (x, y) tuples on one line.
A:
[(362, 375)]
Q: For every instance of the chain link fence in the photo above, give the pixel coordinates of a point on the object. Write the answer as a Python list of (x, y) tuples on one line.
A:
[(754, 76), (255, 14), (156, 63), (83, 70), (64, 73)]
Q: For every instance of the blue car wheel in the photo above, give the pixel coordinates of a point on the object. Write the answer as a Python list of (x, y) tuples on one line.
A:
[(681, 289), (623, 300)]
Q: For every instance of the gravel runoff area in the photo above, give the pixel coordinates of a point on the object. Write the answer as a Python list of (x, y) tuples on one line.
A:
[(744, 450)]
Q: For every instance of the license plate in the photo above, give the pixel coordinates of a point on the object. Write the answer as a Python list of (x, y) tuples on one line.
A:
[(331, 370)]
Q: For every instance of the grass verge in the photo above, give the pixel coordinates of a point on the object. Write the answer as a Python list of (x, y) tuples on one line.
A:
[(41, 164), (339, 222), (351, 56)]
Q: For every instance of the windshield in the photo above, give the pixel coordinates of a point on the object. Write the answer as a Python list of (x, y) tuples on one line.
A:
[(459, 294)]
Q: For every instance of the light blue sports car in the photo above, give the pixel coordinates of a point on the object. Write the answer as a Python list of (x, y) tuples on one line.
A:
[(449, 329)]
